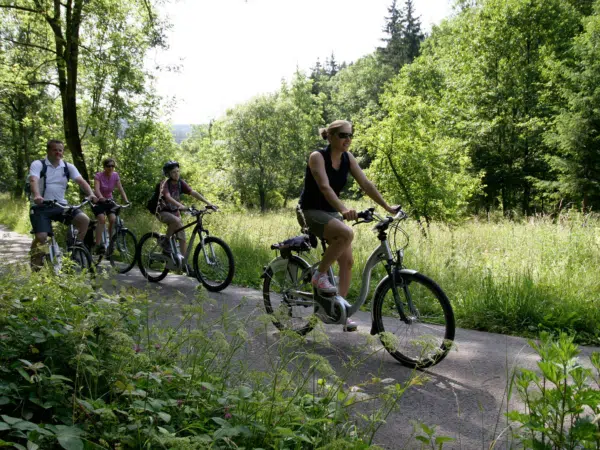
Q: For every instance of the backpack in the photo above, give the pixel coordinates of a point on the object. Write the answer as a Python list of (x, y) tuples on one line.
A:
[(154, 201), (27, 188)]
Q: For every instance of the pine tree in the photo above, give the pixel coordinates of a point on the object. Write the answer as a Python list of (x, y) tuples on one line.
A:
[(412, 35)]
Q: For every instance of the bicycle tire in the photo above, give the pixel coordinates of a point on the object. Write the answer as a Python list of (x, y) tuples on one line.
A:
[(428, 338), (81, 258), (122, 251), (210, 268), (278, 280), (153, 270)]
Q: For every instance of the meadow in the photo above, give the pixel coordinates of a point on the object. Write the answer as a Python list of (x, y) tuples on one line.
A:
[(516, 277)]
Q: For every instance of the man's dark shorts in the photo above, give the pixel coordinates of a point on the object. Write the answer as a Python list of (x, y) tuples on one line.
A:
[(42, 216), (107, 207)]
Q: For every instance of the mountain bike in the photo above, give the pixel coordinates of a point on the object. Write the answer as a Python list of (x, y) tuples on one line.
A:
[(410, 313), (120, 249), (213, 263), (77, 251)]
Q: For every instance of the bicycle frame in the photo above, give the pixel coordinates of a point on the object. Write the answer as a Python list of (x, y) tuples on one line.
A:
[(381, 254), (200, 231)]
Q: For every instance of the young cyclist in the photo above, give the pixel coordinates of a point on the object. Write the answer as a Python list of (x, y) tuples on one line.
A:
[(168, 208)]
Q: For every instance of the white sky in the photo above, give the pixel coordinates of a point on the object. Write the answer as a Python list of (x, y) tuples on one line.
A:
[(232, 50)]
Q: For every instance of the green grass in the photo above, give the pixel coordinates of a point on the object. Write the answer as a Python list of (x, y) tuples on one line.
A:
[(501, 276)]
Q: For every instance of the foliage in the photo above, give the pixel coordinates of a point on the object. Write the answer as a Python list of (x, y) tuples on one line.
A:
[(575, 134), (80, 367), (77, 75), (562, 404), (268, 141), (416, 161)]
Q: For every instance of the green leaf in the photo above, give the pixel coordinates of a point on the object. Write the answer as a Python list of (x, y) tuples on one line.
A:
[(68, 437), (10, 420), (4, 426), (61, 378), (4, 401), (165, 417), (221, 421), (70, 442)]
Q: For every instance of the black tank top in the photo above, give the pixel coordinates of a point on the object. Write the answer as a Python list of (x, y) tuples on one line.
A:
[(311, 196)]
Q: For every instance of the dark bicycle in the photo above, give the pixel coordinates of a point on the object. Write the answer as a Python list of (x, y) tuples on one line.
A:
[(213, 263), (120, 249)]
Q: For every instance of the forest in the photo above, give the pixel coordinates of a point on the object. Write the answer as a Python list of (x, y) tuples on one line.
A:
[(495, 110)]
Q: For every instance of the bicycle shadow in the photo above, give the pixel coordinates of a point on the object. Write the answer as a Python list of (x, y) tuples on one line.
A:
[(471, 412)]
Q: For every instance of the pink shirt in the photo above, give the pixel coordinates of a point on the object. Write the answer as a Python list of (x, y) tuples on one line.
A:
[(106, 183)]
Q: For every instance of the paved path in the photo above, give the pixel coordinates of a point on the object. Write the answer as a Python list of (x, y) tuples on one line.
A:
[(465, 395)]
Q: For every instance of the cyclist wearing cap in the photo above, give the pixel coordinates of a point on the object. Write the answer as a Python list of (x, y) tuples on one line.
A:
[(104, 185), (169, 203), (52, 186), (322, 211)]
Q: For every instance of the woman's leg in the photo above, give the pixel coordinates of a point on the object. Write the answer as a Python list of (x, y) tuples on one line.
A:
[(345, 261), (339, 238), (101, 220), (111, 222)]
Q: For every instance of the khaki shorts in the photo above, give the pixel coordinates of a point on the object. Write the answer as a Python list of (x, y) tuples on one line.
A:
[(316, 220), (168, 218)]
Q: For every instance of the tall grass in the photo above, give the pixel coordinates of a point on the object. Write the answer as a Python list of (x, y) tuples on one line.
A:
[(502, 276)]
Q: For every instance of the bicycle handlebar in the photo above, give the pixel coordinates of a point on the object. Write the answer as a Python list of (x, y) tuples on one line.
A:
[(369, 215), (67, 207)]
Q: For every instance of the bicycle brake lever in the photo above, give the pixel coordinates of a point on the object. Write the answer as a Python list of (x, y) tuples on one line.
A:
[(359, 222)]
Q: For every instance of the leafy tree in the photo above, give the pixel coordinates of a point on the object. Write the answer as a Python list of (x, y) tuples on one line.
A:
[(69, 27), (575, 135), (269, 140), (416, 161)]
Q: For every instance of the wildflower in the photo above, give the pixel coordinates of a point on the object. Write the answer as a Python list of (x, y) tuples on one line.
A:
[(35, 319), (228, 416), (180, 402), (137, 348), (157, 346)]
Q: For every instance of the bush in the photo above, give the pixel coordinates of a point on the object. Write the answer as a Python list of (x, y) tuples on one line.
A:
[(80, 368), (562, 406)]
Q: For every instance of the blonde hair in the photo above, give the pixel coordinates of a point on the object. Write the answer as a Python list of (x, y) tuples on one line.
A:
[(332, 127)]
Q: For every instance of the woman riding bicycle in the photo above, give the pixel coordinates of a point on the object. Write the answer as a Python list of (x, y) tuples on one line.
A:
[(104, 185), (323, 211), (169, 205)]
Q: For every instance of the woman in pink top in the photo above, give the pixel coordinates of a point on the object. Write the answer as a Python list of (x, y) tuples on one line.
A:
[(104, 185)]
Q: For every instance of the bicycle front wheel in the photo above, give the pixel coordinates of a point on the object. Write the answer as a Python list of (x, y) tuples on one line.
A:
[(122, 251), (284, 280), (150, 258), (427, 337), (80, 260), (213, 264)]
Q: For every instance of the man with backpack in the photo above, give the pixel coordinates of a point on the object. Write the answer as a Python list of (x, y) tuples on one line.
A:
[(48, 179), (168, 204)]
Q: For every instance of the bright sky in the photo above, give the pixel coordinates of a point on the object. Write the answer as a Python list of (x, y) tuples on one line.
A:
[(232, 50)]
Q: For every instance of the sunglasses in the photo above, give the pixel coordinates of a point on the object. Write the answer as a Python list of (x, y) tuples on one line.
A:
[(345, 135), (110, 165)]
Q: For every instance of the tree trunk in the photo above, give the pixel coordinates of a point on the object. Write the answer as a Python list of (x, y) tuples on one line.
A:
[(67, 50)]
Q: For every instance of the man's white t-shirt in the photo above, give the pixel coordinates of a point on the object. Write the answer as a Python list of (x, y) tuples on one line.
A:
[(56, 181)]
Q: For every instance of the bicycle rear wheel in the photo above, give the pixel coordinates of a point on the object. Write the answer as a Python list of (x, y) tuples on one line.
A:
[(283, 279), (213, 264), (150, 258), (428, 336), (122, 251)]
